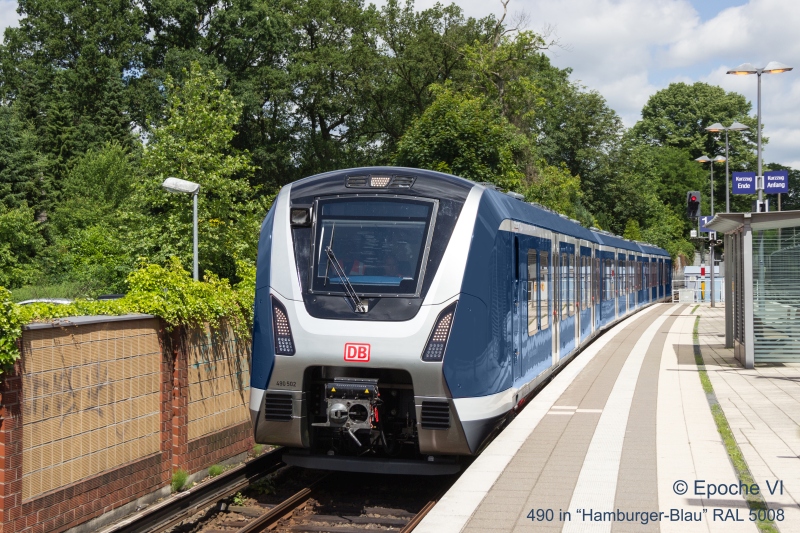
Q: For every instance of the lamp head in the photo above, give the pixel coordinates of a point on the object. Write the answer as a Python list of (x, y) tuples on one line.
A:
[(718, 159), (178, 185), (738, 126), (715, 127), (743, 70), (774, 67), (703, 159)]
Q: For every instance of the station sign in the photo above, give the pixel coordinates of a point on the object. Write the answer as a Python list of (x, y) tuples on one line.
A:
[(776, 181), (744, 183), (703, 222)]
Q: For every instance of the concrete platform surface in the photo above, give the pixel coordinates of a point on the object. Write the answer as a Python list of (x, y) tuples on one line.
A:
[(624, 439)]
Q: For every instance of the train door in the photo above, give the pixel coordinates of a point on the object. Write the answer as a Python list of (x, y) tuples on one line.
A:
[(566, 308), (532, 330), (585, 321), (556, 269), (631, 271), (607, 292), (517, 287), (622, 297), (597, 288)]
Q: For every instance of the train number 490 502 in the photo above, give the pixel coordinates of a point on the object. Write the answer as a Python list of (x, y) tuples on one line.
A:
[(356, 353)]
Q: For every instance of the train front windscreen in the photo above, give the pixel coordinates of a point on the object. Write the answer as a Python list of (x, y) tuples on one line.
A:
[(380, 244)]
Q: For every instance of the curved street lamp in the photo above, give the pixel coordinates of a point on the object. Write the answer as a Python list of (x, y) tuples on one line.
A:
[(714, 128), (179, 186)]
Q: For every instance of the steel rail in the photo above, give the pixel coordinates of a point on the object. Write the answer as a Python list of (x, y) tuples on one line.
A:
[(177, 507)]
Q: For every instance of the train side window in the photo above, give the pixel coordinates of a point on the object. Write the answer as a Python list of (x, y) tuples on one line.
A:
[(596, 281), (544, 290), (533, 293), (564, 285)]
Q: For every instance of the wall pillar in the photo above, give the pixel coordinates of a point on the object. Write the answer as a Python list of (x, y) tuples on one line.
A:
[(180, 400), (11, 449)]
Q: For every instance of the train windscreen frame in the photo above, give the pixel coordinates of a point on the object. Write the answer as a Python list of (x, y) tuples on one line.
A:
[(381, 243)]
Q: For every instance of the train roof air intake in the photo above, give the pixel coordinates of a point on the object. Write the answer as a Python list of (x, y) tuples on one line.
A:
[(380, 182)]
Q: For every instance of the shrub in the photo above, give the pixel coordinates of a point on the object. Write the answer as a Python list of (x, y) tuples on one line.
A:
[(215, 470), (179, 478)]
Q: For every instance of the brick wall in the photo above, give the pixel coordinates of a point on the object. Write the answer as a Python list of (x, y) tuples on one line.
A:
[(96, 415)]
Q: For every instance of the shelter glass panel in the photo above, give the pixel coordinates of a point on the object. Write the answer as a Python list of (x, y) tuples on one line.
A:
[(776, 295)]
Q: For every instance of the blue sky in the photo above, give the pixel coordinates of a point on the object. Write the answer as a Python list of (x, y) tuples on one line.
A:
[(629, 49)]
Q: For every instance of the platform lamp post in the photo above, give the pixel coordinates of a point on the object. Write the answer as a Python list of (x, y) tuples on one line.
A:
[(180, 186), (717, 127), (773, 67), (706, 159)]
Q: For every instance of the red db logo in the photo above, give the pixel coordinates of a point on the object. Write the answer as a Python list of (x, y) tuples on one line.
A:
[(356, 353)]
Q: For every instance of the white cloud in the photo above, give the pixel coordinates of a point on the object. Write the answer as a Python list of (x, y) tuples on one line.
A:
[(8, 14)]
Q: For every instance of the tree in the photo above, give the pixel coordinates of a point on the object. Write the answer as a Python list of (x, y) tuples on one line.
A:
[(466, 136), (96, 190), (419, 49), (20, 241), (678, 115), (21, 164), (64, 68), (193, 142)]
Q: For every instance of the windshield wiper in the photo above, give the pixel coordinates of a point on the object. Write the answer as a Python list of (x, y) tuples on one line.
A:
[(360, 306)]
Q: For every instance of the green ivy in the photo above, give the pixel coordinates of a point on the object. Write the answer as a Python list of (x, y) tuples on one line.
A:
[(168, 292)]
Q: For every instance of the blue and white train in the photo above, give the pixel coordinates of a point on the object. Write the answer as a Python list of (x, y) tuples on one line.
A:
[(402, 315)]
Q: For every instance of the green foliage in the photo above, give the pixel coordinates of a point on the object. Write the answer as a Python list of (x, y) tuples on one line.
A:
[(67, 289), (263, 486), (215, 470), (257, 449), (678, 115), (193, 143), (179, 478), (167, 292), (10, 329), (20, 241), (21, 164), (96, 189), (632, 230), (238, 499), (463, 135), (556, 189)]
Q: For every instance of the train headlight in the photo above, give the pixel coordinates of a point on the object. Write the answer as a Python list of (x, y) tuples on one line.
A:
[(434, 349), (300, 216), (284, 343)]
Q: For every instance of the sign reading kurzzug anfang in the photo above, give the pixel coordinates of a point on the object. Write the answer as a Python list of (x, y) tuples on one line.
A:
[(776, 181)]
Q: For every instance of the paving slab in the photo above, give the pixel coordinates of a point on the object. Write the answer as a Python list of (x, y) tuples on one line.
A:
[(762, 406), (606, 445)]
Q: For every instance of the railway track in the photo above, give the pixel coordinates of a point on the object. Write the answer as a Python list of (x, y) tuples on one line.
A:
[(336, 503), (165, 514), (280, 498)]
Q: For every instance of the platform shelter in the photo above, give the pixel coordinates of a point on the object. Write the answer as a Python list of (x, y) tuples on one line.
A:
[(762, 285)]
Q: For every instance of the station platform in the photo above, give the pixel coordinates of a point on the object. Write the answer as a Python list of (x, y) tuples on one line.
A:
[(653, 427)]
